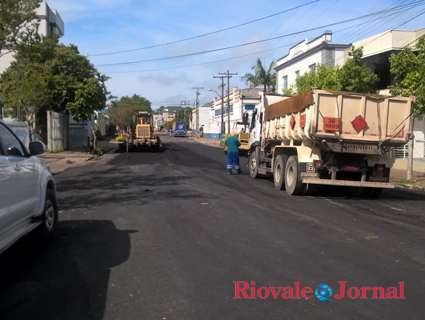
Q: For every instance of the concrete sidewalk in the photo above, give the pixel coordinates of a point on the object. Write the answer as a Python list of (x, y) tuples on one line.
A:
[(61, 161)]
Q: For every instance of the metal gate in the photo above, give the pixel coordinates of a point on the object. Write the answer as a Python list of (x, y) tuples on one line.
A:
[(57, 131), (78, 135)]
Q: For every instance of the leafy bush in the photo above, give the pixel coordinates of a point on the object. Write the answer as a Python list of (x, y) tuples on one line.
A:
[(98, 151), (120, 138)]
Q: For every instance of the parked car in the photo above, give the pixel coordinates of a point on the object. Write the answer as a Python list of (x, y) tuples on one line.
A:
[(27, 190)]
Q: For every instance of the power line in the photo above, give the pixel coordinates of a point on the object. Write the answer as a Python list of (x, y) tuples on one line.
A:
[(249, 43), (204, 35), (203, 63)]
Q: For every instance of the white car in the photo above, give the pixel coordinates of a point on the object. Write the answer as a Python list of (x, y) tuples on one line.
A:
[(27, 190)]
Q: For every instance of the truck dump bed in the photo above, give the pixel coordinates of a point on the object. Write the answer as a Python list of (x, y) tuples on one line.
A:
[(343, 121)]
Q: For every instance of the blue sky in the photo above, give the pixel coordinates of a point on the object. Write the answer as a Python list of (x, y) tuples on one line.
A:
[(102, 27)]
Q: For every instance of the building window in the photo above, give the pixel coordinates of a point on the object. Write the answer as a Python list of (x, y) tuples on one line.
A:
[(249, 106), (312, 67), (297, 74), (285, 82)]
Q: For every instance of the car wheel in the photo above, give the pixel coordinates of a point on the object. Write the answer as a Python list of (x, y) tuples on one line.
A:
[(49, 217)]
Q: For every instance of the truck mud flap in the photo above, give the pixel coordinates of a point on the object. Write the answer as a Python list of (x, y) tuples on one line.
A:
[(349, 183)]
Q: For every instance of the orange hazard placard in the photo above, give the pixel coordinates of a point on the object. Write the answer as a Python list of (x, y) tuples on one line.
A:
[(302, 120), (331, 124)]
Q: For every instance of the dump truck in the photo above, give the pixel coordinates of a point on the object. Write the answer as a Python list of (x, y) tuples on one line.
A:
[(324, 137), (142, 136)]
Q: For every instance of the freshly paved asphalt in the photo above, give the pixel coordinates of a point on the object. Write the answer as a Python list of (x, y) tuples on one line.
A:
[(165, 236)]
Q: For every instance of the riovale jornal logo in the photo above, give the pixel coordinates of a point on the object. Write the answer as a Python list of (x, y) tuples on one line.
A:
[(245, 290)]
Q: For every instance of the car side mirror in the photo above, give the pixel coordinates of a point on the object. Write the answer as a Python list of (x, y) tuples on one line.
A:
[(36, 148)]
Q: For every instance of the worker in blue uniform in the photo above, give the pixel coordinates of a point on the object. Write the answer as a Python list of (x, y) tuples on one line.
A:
[(233, 144)]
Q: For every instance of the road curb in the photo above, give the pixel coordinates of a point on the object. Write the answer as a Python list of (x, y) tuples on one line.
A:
[(408, 187)]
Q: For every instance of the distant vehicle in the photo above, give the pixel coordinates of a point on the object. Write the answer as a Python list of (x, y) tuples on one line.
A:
[(179, 129), (28, 190)]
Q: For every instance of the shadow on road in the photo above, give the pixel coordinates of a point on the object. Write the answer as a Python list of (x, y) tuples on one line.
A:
[(65, 279), (128, 190)]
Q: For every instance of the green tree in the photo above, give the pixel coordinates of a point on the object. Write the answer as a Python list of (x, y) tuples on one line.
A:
[(76, 87), (30, 95), (139, 103), (356, 76), (121, 114), (408, 68), (353, 76), (261, 77), (18, 22), (323, 77), (66, 81)]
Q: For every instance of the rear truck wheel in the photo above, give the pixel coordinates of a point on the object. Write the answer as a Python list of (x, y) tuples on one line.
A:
[(359, 192), (253, 169), (293, 182), (49, 219), (279, 171), (376, 193), (356, 192), (372, 193)]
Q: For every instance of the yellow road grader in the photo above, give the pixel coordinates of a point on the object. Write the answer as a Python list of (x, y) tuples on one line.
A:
[(141, 136)]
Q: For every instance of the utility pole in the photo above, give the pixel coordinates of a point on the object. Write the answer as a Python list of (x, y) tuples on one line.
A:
[(229, 75), (185, 104), (222, 129), (197, 110)]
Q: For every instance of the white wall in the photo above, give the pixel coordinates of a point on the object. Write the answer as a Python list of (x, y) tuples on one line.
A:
[(50, 20), (388, 40), (419, 144)]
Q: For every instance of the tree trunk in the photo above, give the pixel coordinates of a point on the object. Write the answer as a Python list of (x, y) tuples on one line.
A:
[(29, 125)]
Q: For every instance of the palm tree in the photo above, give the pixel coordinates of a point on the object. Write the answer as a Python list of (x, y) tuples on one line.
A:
[(261, 77)]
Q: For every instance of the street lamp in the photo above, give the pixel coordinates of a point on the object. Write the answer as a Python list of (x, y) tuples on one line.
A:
[(222, 111)]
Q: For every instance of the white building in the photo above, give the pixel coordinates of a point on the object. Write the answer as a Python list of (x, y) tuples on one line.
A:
[(304, 56), (240, 102), (50, 21), (205, 119)]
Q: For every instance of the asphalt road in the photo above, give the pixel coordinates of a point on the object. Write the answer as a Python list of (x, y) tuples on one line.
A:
[(166, 236)]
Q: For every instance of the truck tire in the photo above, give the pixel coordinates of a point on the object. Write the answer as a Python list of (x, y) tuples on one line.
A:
[(157, 146), (293, 182), (372, 193), (253, 166), (376, 193), (356, 192), (279, 171)]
